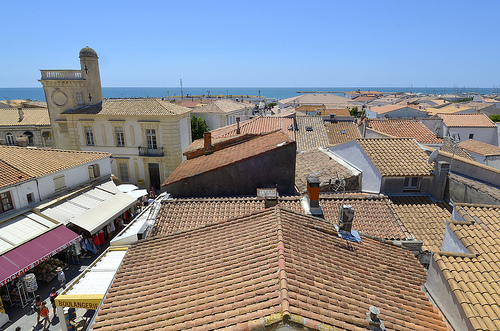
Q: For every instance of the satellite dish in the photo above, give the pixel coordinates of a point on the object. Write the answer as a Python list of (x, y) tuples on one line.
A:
[(433, 156)]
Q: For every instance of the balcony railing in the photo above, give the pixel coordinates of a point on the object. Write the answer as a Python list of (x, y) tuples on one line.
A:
[(145, 151), (61, 74)]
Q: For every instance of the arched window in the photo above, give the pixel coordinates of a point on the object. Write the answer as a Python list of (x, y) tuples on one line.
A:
[(30, 137), (9, 139)]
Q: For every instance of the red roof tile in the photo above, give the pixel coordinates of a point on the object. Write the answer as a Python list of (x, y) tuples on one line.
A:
[(11, 175), (474, 278), (230, 155), (478, 120), (256, 125), (262, 269), (341, 132), (373, 214), (480, 148), (405, 128)]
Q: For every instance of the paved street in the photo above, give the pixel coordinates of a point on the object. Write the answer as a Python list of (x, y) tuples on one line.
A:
[(24, 318)]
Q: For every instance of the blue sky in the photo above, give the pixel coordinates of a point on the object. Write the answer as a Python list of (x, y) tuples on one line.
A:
[(256, 43)]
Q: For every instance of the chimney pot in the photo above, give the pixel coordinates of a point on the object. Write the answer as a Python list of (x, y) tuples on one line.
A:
[(207, 136), (21, 114), (313, 191)]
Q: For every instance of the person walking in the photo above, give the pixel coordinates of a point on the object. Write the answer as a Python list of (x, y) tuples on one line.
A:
[(61, 276), (52, 298), (37, 304), (44, 313)]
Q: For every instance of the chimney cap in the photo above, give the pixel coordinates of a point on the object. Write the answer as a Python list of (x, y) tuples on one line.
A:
[(374, 310), (313, 180)]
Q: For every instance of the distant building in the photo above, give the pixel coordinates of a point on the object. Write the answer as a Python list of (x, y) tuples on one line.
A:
[(146, 136), (25, 127), (408, 111), (392, 165), (475, 126), (220, 113), (236, 165), (484, 153)]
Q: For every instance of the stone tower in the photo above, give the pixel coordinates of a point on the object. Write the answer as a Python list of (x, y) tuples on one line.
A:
[(70, 89)]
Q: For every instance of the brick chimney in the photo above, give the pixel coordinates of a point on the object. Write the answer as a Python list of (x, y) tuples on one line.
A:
[(311, 201), (207, 137)]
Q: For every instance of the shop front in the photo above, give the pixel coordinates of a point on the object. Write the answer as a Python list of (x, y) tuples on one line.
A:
[(77, 304), (29, 257)]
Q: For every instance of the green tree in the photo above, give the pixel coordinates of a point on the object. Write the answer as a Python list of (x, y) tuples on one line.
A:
[(354, 111), (198, 127), (495, 118)]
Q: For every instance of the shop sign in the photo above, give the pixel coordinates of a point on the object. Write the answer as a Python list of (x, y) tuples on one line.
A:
[(86, 301), (40, 260)]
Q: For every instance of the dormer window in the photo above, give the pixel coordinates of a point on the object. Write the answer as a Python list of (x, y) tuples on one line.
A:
[(411, 183)]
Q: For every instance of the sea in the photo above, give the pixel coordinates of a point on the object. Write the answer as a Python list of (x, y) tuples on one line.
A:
[(269, 93)]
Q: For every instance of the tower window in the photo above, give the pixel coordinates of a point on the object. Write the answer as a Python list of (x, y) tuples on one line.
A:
[(9, 138), (79, 98)]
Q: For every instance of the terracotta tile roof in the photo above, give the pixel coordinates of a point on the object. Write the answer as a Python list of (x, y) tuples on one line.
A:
[(336, 111), (373, 214), (396, 156), (181, 214), (424, 219), (256, 125), (262, 269), (315, 138), (39, 162), (405, 128), (449, 147), (11, 175), (475, 277), (317, 163), (143, 107), (341, 132), (478, 120), (250, 148), (311, 109), (479, 147), (31, 116), (317, 99), (222, 106), (389, 108)]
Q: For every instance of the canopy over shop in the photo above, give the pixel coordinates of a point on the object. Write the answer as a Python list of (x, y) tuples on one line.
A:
[(27, 241), (88, 290), (91, 209)]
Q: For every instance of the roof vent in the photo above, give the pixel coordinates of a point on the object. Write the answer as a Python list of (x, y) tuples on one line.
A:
[(270, 196), (309, 128), (344, 226), (375, 323)]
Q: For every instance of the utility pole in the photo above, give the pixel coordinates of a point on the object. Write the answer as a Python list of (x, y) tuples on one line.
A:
[(182, 92)]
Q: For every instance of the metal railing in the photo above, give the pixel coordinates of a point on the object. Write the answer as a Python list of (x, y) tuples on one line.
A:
[(145, 151)]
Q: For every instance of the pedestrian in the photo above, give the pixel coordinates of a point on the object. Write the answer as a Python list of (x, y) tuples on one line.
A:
[(61, 276), (52, 298), (37, 304), (44, 313)]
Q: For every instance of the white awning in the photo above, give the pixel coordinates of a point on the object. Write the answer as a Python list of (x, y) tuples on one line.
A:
[(21, 229), (91, 209)]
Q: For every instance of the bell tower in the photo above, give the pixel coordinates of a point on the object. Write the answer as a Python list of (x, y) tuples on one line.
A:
[(70, 89), (90, 73)]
